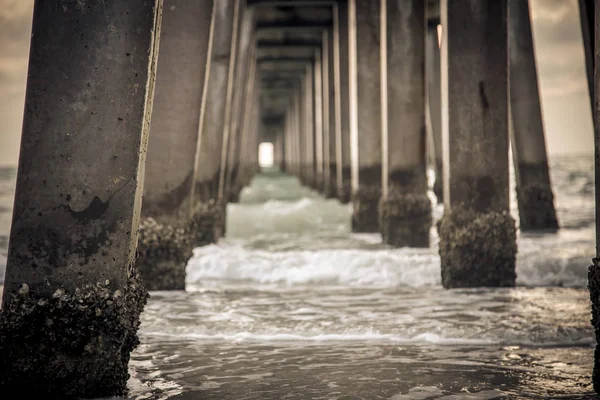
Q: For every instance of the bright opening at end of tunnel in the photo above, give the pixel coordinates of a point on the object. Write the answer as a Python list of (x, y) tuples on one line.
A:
[(265, 154)]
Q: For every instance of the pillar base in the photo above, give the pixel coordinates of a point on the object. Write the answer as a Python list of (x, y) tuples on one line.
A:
[(477, 249), (163, 252), (438, 190), (345, 192), (329, 191), (594, 288), (365, 216), (536, 208), (207, 223), (73, 345), (405, 219)]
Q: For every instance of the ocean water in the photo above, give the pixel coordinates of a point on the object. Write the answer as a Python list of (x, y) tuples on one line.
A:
[(292, 305)]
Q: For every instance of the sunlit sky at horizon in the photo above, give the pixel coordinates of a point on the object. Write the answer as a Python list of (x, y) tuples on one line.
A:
[(559, 52)]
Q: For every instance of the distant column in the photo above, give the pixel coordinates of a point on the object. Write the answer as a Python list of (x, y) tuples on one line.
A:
[(167, 231), (309, 169), (344, 191), (534, 192), (244, 62), (365, 43), (72, 296), (319, 159), (405, 209), (594, 269), (334, 116), (477, 234), (212, 150), (434, 96), (328, 135)]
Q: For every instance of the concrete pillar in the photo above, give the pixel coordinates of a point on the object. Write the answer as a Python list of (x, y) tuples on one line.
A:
[(534, 191), (72, 296), (405, 208), (594, 269), (334, 115), (212, 148), (309, 124), (167, 231), (245, 59), (341, 29), (364, 20), (245, 170), (434, 96), (319, 144), (278, 159), (586, 14), (328, 135), (477, 234)]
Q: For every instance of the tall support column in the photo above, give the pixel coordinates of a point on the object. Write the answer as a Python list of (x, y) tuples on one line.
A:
[(278, 151), (328, 179), (364, 17), (168, 229), (434, 96), (309, 169), (245, 169), (405, 208), (534, 191), (211, 152), (594, 269), (477, 234), (319, 144), (586, 14), (72, 297), (342, 33), (334, 108), (245, 59)]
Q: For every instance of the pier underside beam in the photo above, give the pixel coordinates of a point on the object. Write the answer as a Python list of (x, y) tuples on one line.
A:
[(170, 220), (477, 234), (72, 296)]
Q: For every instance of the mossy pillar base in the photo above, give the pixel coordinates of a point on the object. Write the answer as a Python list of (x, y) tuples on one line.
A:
[(70, 345), (345, 192), (536, 208), (477, 249), (365, 216), (405, 220)]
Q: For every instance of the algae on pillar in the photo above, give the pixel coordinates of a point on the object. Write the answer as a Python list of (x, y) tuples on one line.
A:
[(534, 191), (594, 269), (365, 83), (341, 29), (170, 221), (405, 208), (72, 296), (477, 234), (212, 122)]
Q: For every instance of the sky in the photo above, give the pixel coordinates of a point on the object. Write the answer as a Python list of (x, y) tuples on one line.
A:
[(559, 51)]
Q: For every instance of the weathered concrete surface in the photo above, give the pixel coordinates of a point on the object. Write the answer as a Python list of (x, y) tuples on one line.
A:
[(344, 192), (405, 209), (477, 237), (534, 191), (594, 269), (208, 164), (181, 70), (434, 95), (368, 87), (309, 157), (72, 300)]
